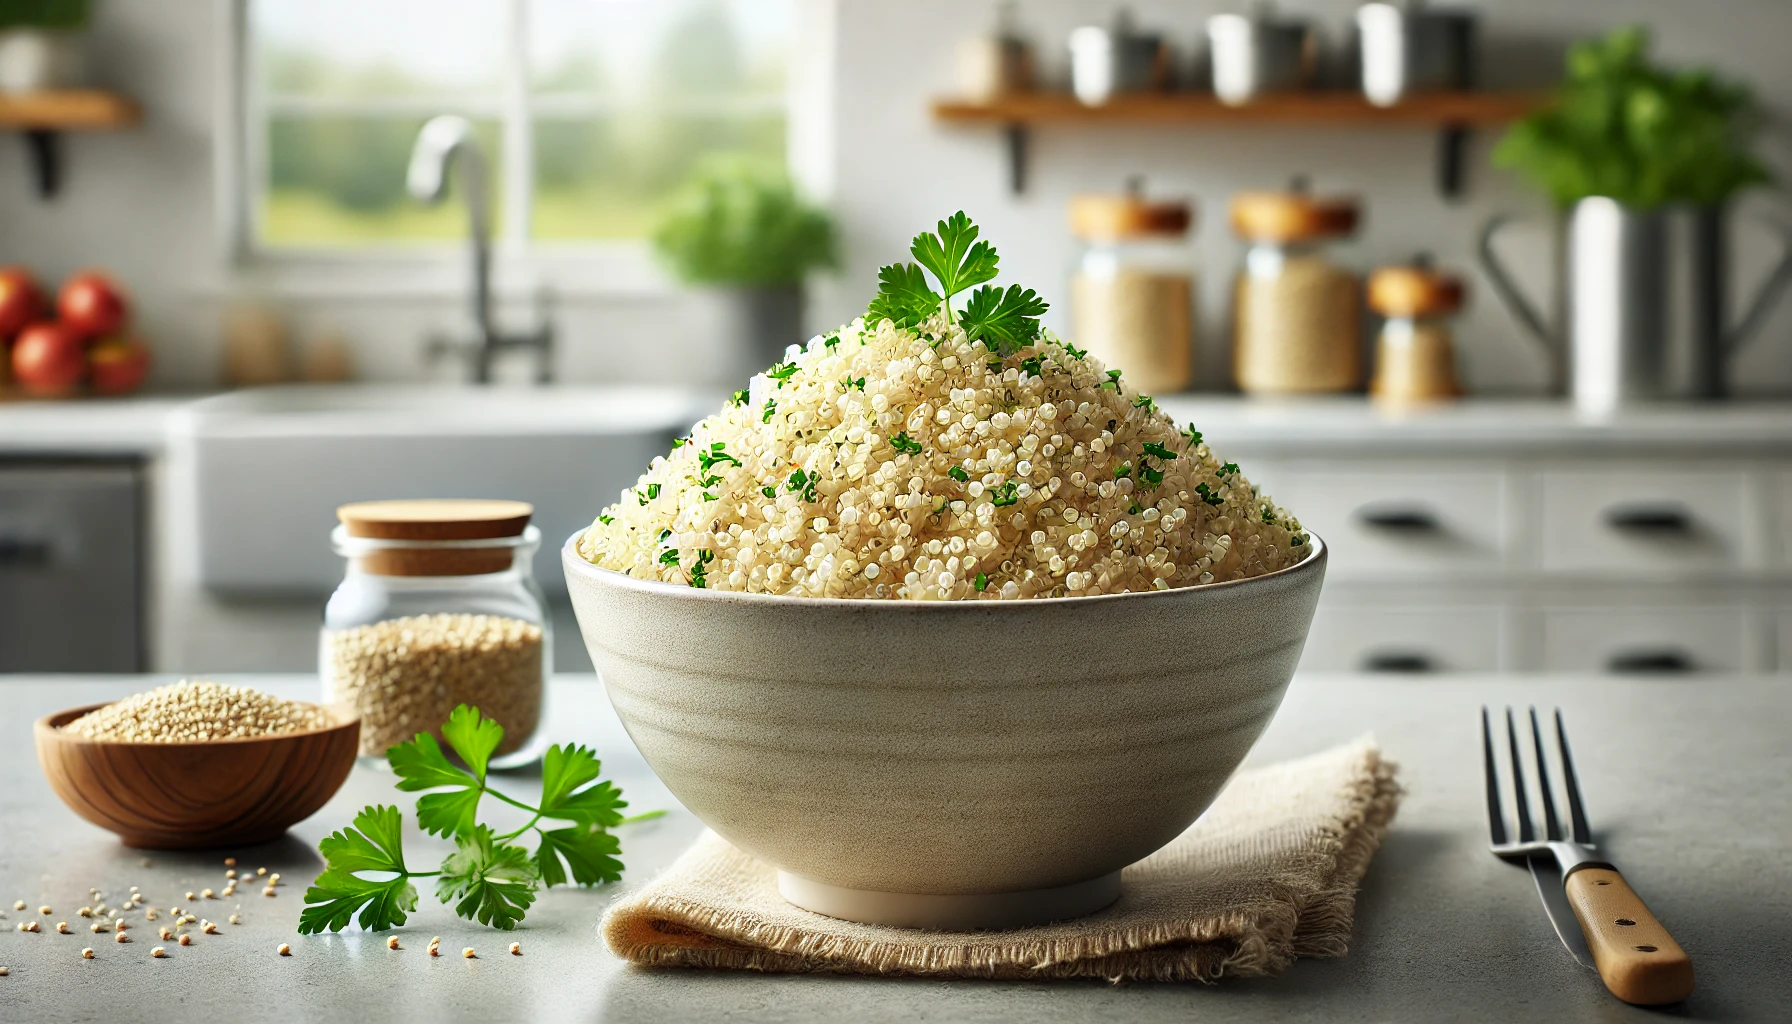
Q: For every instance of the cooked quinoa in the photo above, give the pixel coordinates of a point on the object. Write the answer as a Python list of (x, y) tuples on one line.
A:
[(197, 712), (917, 464)]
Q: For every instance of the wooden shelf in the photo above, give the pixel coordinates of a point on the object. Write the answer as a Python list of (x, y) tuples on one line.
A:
[(43, 116), (67, 110), (1453, 115)]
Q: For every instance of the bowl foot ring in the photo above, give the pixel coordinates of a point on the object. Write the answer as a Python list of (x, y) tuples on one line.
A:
[(963, 912)]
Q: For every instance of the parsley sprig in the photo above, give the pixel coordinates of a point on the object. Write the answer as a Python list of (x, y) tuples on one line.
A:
[(488, 878), (1006, 320)]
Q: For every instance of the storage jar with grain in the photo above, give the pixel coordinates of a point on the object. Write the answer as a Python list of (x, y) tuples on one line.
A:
[(438, 607), (1133, 291), (1415, 360), (1296, 313)]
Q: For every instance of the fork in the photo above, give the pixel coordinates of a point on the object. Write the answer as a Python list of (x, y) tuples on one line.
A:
[(1637, 958)]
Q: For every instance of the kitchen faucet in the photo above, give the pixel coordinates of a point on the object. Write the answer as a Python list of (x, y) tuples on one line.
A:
[(442, 140)]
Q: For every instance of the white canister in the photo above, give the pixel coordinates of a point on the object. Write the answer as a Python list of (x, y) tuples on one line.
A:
[(35, 59)]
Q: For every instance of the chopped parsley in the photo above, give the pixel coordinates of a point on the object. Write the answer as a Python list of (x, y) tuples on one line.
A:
[(1123, 470), (1228, 469), (982, 583), (1149, 476), (1006, 494), (680, 442), (1113, 381), (804, 483), (781, 372), (957, 473), (1144, 402), (1269, 516), (652, 492), (1158, 451), (606, 520), (831, 340), (700, 571), (852, 382), (771, 409), (716, 456), (770, 492), (905, 444), (739, 398), (1033, 365), (1193, 435), (1075, 353), (669, 556), (1207, 495)]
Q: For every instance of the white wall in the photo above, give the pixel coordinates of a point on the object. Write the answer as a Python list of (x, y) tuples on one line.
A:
[(142, 202)]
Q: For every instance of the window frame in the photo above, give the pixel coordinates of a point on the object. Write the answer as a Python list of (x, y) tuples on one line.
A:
[(521, 266)]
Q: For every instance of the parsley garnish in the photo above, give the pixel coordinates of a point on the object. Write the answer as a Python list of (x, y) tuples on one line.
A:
[(1004, 320), (715, 456), (1158, 451), (669, 556), (1144, 402), (801, 481), (957, 473), (1113, 381), (1123, 470), (781, 372), (1207, 495), (680, 442), (852, 382), (1075, 353), (739, 398), (1193, 435), (493, 881), (653, 491), (1269, 516), (700, 571), (771, 409), (1149, 476), (1006, 494), (770, 492), (831, 340), (1033, 365), (1228, 469), (906, 444), (982, 582), (606, 520)]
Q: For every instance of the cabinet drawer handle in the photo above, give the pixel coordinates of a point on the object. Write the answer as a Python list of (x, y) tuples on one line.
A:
[(1657, 520), (1650, 662), (1399, 519), (1414, 662), (25, 553)]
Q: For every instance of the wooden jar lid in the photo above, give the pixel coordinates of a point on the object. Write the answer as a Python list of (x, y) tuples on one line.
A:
[(1108, 218), (1414, 291), (436, 520), (1291, 216)]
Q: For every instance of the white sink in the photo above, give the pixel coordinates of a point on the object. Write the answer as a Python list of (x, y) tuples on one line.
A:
[(257, 475)]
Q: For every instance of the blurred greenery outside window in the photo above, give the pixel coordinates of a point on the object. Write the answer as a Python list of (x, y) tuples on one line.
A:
[(603, 106)]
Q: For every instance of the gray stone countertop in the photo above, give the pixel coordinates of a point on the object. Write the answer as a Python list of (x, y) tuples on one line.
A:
[(1687, 784)]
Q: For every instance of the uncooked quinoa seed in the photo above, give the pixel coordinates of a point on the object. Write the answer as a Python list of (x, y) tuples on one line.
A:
[(406, 675), (197, 712), (880, 462)]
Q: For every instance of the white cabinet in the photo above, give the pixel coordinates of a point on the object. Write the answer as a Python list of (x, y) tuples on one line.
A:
[(1351, 636), (1666, 639), (1398, 519), (1661, 520)]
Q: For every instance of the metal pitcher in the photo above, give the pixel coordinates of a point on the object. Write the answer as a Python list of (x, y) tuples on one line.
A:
[(1642, 302)]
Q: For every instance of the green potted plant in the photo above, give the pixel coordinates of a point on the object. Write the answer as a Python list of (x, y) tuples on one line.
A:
[(1643, 161), (739, 228), (41, 43)]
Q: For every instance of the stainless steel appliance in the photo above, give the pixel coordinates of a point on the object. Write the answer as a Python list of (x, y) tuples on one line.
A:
[(1409, 48), (1642, 297), (71, 567)]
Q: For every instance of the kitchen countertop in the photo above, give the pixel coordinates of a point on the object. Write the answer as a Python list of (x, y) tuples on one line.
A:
[(131, 426), (1685, 781)]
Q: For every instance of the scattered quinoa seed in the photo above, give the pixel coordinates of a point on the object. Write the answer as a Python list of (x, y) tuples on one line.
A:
[(261, 871), (230, 862), (284, 950), (166, 934), (468, 953), (392, 942), (85, 912), (62, 927), (44, 911), (209, 928), (158, 952), (87, 954), (208, 894), (231, 873), (236, 919), (18, 904), (125, 937), (97, 927), (191, 897), (186, 940), (516, 949), (269, 891)]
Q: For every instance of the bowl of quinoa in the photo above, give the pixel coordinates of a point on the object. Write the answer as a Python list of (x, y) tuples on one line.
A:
[(942, 618)]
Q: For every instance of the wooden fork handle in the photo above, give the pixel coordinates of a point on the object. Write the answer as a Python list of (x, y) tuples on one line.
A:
[(1640, 962)]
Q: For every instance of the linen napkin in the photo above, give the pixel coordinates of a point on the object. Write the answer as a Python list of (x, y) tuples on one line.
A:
[(1267, 874)]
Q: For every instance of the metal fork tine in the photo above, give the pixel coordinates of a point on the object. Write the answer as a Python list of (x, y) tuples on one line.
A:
[(1576, 812), (1520, 800), (1552, 829), (1496, 818)]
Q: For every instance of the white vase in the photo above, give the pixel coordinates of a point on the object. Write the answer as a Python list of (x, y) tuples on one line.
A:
[(35, 59)]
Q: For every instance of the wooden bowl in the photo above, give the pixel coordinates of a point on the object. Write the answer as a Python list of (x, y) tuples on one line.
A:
[(171, 796)]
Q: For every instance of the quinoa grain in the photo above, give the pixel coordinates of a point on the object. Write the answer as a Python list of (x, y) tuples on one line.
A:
[(158, 952), (284, 950), (87, 954), (198, 712)]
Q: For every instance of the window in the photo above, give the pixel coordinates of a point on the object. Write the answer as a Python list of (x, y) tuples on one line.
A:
[(590, 111)]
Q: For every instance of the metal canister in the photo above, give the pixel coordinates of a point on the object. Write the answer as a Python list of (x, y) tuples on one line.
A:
[(1258, 53), (1409, 48), (1120, 59)]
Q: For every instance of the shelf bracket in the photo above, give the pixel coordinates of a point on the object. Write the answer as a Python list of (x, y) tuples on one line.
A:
[(1016, 137), (1452, 149), (42, 147)]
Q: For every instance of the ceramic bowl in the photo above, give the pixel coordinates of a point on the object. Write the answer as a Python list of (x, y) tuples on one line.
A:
[(951, 764), (171, 796)]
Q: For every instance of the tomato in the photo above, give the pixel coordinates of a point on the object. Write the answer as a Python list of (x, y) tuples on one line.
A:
[(49, 358), (21, 301), (92, 305), (117, 365)]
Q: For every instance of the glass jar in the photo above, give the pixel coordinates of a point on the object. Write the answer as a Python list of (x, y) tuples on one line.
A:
[(1415, 356), (438, 607), (1297, 314), (1132, 294)]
